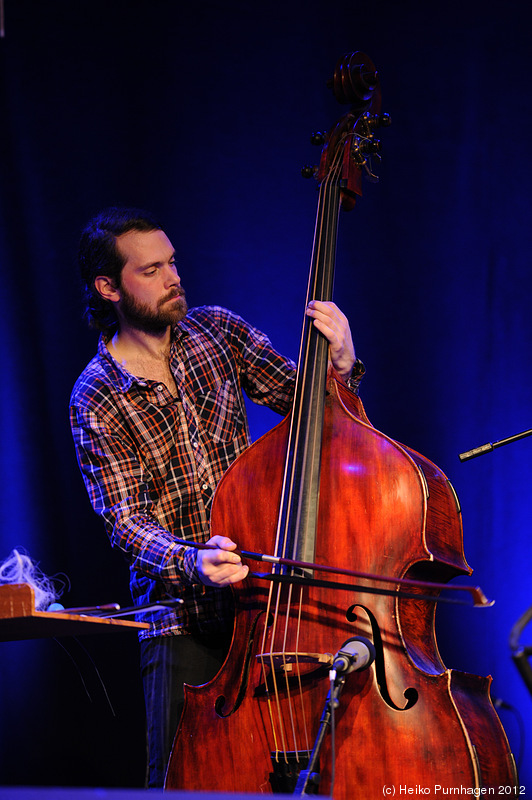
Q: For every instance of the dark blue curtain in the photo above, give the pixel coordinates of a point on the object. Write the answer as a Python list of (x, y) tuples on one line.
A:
[(202, 112)]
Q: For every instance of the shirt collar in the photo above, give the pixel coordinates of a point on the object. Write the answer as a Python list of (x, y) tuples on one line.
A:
[(119, 375)]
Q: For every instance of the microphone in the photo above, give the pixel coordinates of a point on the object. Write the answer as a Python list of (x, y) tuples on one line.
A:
[(355, 654)]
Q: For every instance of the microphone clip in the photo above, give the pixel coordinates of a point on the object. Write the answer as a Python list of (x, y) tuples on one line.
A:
[(355, 654)]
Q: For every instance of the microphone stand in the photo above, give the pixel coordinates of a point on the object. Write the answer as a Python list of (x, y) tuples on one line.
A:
[(487, 448), (520, 653), (356, 653), (310, 777)]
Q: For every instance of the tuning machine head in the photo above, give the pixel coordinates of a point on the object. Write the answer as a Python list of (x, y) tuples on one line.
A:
[(309, 172)]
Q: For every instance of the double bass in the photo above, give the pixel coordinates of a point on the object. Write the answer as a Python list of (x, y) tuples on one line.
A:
[(333, 687)]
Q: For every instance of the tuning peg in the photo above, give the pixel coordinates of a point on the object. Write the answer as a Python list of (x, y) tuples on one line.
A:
[(309, 172), (318, 138), (377, 120), (370, 146)]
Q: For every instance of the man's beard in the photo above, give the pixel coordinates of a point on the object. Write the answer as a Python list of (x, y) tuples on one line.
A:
[(141, 317)]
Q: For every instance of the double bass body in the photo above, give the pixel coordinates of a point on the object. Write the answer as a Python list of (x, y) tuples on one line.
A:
[(407, 721), (325, 482)]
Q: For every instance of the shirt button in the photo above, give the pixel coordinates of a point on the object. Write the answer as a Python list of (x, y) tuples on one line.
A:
[(160, 387), (205, 486)]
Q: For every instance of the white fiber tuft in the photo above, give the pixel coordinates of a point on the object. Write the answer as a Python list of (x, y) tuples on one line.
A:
[(19, 568)]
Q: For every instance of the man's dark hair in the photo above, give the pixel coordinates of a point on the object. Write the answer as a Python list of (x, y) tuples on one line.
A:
[(99, 255)]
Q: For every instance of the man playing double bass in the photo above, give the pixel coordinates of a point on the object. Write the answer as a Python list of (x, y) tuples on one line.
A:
[(157, 417)]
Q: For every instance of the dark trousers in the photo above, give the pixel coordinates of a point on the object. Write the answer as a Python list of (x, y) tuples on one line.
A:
[(167, 662)]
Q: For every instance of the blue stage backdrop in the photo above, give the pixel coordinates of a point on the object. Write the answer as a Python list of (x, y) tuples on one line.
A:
[(202, 111)]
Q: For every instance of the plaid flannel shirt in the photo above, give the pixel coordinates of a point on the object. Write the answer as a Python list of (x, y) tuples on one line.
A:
[(151, 461)]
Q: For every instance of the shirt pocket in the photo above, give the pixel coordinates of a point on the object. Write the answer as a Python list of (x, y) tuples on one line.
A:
[(220, 413)]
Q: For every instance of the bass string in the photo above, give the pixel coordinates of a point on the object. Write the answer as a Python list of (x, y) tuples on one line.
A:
[(328, 208), (285, 720), (267, 659), (296, 664), (262, 654), (323, 249), (322, 290)]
